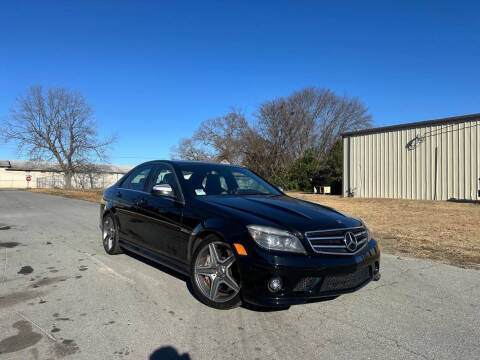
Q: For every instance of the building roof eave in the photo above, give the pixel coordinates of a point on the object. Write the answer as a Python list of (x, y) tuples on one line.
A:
[(412, 125)]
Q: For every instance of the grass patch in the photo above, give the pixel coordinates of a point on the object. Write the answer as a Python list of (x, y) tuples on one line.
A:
[(88, 195), (439, 230)]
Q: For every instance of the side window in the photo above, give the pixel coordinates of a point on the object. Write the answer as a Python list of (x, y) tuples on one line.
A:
[(213, 184), (163, 174), (136, 180), (187, 174)]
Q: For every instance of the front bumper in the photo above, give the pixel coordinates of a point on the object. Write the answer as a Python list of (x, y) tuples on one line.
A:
[(308, 279)]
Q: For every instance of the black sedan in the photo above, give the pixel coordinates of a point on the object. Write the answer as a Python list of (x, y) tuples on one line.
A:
[(238, 237)]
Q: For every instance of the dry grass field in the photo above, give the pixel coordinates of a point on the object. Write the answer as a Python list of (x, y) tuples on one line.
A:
[(444, 231), (438, 230), (88, 195)]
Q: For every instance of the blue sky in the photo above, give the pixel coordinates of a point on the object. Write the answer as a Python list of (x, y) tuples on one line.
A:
[(154, 70)]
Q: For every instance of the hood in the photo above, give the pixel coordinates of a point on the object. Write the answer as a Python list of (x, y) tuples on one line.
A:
[(283, 211)]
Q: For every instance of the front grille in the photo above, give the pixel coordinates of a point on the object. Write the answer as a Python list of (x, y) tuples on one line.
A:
[(345, 282), (333, 241)]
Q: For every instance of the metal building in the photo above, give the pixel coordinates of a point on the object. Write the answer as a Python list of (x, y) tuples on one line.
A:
[(430, 160)]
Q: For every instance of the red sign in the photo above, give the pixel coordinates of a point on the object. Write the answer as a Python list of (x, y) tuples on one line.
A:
[(29, 178)]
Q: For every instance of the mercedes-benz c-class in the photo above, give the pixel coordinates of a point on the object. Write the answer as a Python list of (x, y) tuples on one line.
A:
[(235, 235)]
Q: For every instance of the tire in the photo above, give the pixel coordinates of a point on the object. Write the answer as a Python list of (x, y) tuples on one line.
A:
[(214, 264), (110, 235)]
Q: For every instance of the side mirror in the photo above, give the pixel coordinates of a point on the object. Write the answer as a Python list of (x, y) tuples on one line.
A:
[(163, 190), (280, 188)]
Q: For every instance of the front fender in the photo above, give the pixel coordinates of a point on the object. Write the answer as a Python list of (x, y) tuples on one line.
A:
[(105, 207), (225, 229)]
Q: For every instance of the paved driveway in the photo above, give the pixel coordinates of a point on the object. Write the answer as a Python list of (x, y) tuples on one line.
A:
[(61, 296)]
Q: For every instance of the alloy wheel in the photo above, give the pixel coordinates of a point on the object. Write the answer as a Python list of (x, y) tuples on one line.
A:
[(214, 273), (108, 233)]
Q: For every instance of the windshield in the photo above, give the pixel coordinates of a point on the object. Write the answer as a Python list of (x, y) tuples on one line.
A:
[(205, 180)]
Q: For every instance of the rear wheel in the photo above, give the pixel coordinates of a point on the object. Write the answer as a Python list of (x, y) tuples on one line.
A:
[(214, 274), (110, 236)]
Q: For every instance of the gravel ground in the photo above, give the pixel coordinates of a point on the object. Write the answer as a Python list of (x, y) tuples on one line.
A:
[(61, 296)]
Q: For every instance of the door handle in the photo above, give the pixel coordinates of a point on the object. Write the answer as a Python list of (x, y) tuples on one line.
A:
[(141, 202), (119, 194)]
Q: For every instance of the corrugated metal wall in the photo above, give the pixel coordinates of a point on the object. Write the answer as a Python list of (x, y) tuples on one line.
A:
[(437, 162)]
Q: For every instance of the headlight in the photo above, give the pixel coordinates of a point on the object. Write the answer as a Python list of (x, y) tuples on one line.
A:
[(275, 239), (369, 234)]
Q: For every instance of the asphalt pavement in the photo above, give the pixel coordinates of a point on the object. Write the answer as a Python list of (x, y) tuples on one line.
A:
[(61, 296)]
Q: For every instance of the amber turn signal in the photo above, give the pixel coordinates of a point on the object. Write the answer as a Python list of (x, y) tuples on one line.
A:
[(240, 249)]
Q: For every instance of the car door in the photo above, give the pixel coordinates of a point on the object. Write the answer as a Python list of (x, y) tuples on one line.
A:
[(163, 231), (128, 197)]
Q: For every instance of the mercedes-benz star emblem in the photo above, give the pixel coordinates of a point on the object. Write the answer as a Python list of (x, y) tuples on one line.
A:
[(350, 241)]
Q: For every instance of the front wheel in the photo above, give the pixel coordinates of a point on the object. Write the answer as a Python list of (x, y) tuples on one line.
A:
[(110, 236), (214, 274)]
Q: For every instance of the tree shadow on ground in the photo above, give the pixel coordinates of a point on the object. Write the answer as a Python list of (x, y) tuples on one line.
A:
[(168, 353)]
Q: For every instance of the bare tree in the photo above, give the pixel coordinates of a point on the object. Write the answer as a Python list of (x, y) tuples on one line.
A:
[(224, 136), (87, 175), (308, 120), (190, 149), (56, 125), (285, 129), (257, 153), (219, 139)]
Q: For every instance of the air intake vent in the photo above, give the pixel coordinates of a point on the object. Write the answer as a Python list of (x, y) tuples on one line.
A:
[(305, 284), (345, 282)]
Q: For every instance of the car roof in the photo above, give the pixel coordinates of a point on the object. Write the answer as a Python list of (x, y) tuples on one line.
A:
[(188, 162)]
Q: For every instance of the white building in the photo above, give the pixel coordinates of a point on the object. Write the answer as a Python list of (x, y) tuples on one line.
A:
[(13, 174)]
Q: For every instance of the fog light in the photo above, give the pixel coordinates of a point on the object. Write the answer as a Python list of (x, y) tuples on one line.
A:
[(275, 284)]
